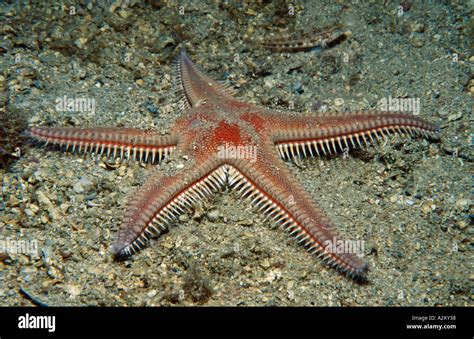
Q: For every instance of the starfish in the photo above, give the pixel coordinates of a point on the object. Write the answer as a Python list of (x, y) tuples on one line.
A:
[(221, 140)]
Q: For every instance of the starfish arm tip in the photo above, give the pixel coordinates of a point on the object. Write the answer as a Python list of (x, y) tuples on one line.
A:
[(120, 251)]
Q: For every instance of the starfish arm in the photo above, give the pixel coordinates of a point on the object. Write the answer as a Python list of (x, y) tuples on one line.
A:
[(195, 87), (277, 194), (161, 199), (334, 132), (114, 142)]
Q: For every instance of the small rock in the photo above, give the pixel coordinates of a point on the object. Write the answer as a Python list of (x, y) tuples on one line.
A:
[(34, 208), (123, 14), (116, 4), (151, 294), (269, 83), (462, 225), (80, 42), (151, 108), (338, 102), (213, 215), (455, 116), (428, 207), (265, 264), (228, 252), (183, 217), (91, 196), (298, 87), (78, 188), (471, 86), (418, 27), (168, 245), (462, 204), (37, 176), (73, 290), (417, 42), (28, 272), (82, 185), (43, 200)]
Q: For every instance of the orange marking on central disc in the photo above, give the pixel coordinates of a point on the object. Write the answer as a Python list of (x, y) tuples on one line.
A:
[(228, 132)]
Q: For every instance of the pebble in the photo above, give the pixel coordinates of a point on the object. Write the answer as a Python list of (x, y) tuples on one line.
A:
[(151, 108), (91, 196), (80, 42), (78, 188), (183, 217), (79, 71), (31, 210), (471, 86), (34, 208), (417, 42), (338, 102), (114, 6), (462, 204), (152, 293), (455, 116), (123, 14), (418, 27), (168, 245), (298, 87), (27, 273), (462, 225), (265, 264), (34, 120), (82, 185), (213, 215), (428, 207), (36, 177), (43, 200), (269, 83), (72, 290)]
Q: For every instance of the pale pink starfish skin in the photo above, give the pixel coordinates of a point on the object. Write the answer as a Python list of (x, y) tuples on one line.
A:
[(214, 121)]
